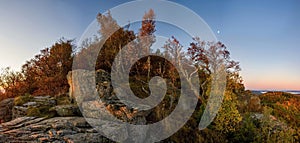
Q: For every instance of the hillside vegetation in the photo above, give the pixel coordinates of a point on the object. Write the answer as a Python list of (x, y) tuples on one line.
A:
[(242, 117)]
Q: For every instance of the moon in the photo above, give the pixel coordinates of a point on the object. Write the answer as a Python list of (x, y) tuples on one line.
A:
[(218, 32)]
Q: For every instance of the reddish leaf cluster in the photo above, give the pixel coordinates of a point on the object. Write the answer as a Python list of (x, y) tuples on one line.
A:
[(45, 74), (207, 55)]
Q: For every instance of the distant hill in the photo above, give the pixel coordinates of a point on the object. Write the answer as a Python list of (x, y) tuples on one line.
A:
[(259, 92), (285, 106), (256, 92)]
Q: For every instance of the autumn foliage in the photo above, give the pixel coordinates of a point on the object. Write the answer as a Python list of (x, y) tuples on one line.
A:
[(12, 83), (45, 74)]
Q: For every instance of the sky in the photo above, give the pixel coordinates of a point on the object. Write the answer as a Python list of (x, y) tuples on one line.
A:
[(262, 35)]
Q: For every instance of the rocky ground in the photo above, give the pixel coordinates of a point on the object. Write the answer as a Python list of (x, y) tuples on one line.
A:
[(54, 119), (57, 129), (66, 125)]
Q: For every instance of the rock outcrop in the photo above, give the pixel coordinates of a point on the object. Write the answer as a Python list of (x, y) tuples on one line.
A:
[(66, 110), (58, 129), (6, 107), (107, 99), (272, 122), (68, 125), (34, 102)]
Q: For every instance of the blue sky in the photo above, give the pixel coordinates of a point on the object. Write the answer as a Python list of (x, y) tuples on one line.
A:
[(262, 35)]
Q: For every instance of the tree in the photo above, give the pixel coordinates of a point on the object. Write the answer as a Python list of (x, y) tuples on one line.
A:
[(11, 83), (46, 73), (174, 52), (146, 34), (208, 55), (144, 41), (207, 59), (210, 58), (113, 39), (148, 29), (228, 117)]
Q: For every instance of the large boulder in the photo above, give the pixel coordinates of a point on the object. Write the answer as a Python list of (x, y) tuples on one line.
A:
[(95, 96), (82, 82)]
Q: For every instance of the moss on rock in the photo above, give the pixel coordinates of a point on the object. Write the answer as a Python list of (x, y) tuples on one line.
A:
[(18, 101)]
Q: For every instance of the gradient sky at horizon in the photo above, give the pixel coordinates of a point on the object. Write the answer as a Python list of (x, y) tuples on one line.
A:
[(261, 35)]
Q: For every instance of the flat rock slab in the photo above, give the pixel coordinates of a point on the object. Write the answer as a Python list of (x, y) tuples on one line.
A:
[(58, 129)]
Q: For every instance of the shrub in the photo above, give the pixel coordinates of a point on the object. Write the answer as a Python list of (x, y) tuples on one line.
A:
[(20, 100), (42, 111), (254, 104), (62, 100), (34, 112)]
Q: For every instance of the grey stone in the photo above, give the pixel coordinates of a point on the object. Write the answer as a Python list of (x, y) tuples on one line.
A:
[(6, 107), (30, 104), (66, 110), (58, 129)]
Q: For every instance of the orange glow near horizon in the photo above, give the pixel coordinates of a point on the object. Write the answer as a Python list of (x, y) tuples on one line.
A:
[(273, 78), (269, 85)]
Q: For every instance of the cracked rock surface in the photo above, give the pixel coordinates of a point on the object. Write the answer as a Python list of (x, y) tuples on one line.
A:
[(58, 129)]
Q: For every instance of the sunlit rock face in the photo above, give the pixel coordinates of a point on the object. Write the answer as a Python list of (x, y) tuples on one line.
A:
[(106, 99), (96, 98)]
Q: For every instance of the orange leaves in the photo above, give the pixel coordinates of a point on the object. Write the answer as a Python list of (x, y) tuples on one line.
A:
[(45, 74), (148, 24)]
